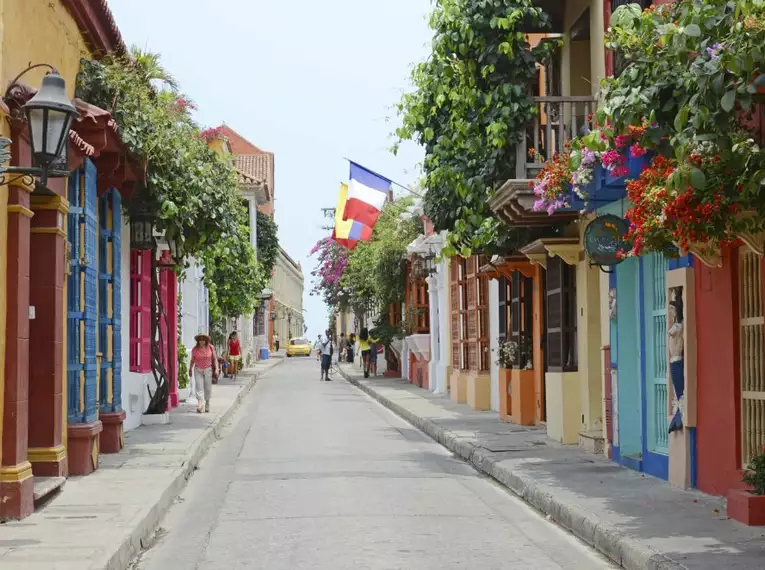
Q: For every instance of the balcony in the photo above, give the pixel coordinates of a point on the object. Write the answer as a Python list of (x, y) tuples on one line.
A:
[(558, 120)]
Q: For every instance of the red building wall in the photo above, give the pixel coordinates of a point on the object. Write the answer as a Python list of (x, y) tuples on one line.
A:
[(718, 389)]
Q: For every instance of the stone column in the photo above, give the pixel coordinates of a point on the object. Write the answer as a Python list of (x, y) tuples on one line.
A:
[(435, 331), (46, 368), (444, 315), (16, 483)]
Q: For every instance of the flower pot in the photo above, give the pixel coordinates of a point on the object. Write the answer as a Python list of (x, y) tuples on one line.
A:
[(746, 508), (635, 166), (523, 399), (505, 391)]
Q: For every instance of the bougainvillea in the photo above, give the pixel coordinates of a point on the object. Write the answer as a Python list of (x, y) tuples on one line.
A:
[(332, 259)]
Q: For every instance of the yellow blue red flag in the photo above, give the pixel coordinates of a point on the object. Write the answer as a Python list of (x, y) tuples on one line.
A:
[(348, 232)]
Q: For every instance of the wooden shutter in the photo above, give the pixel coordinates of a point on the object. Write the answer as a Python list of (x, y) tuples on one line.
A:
[(555, 314), (90, 222), (74, 367), (472, 314), (527, 317), (502, 309), (455, 301), (751, 334), (561, 317), (104, 299), (515, 307), (116, 299)]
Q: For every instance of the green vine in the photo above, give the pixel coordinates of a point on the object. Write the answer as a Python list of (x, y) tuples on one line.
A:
[(192, 190), (471, 104), (268, 242)]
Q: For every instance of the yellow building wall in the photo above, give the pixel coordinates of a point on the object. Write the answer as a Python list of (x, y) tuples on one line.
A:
[(589, 347), (36, 31), (563, 406)]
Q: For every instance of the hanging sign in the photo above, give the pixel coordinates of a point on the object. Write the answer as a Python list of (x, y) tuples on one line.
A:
[(604, 238)]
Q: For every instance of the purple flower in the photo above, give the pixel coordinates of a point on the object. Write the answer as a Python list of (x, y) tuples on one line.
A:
[(714, 51)]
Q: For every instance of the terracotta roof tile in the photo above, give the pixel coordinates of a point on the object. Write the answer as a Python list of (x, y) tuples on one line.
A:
[(239, 144)]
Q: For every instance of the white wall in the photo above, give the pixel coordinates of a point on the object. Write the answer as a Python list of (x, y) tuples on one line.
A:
[(494, 341), (135, 398)]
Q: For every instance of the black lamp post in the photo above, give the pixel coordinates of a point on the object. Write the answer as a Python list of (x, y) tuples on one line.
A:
[(49, 117), (430, 263)]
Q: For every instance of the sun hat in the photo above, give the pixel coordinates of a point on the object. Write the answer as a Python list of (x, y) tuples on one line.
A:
[(202, 336)]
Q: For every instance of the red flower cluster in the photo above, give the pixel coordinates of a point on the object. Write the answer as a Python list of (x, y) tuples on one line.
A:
[(212, 134)]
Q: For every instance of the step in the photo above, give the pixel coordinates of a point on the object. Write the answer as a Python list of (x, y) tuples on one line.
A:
[(592, 442), (46, 488)]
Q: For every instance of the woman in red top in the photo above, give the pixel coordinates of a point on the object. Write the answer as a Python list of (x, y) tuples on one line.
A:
[(204, 365), (234, 353)]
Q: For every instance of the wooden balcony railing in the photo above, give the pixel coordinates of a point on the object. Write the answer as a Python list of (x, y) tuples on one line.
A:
[(558, 120)]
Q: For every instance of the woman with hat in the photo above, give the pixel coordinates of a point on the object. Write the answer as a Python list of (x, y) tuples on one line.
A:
[(204, 364)]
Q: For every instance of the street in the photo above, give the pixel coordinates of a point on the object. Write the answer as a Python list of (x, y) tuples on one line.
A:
[(318, 475)]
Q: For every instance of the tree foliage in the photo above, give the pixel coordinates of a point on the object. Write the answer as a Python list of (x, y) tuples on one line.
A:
[(268, 242), (192, 190), (470, 105)]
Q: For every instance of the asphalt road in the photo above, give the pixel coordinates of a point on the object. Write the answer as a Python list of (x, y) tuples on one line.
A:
[(318, 476)]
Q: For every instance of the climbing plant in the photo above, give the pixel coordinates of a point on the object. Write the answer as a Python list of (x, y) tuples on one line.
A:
[(470, 104), (268, 242), (192, 190)]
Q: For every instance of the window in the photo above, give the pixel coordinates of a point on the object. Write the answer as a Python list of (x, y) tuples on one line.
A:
[(140, 311), (561, 316), (504, 308), (520, 292)]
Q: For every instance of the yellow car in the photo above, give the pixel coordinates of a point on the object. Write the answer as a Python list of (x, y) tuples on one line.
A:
[(299, 347)]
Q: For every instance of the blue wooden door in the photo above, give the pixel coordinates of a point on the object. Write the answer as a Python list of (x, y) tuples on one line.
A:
[(628, 356), (116, 199), (654, 366), (74, 366), (89, 253)]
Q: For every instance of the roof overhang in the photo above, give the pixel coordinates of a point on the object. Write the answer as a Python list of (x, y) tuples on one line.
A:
[(505, 266), (569, 249), (513, 203)]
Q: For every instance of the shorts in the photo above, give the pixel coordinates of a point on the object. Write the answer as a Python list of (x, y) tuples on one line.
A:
[(373, 353), (366, 353), (235, 357), (326, 362)]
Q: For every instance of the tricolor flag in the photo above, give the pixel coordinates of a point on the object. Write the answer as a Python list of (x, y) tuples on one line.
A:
[(367, 193), (348, 232)]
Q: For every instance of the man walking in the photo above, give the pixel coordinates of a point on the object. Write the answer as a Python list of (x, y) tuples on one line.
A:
[(326, 355)]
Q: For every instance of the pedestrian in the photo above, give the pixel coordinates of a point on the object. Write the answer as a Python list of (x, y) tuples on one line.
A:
[(365, 352), (351, 348), (374, 343), (276, 342), (326, 355), (204, 366), (234, 353), (341, 348)]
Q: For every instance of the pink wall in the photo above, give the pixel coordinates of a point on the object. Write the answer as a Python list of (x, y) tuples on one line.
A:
[(718, 392)]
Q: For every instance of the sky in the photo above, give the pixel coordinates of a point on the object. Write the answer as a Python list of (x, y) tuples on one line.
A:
[(312, 82)]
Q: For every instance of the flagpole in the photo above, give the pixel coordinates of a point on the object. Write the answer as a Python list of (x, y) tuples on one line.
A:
[(385, 177)]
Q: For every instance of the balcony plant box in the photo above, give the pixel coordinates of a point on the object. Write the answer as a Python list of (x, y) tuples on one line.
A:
[(606, 188), (523, 411)]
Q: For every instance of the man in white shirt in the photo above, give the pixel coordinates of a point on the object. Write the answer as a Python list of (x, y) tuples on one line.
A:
[(325, 345)]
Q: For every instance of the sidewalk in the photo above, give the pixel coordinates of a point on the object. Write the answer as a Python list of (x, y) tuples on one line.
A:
[(636, 520), (100, 521)]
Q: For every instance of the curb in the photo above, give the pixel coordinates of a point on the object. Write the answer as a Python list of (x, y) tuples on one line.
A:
[(132, 545), (615, 545)]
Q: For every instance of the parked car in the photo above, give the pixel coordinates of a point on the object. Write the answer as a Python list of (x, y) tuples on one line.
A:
[(299, 347)]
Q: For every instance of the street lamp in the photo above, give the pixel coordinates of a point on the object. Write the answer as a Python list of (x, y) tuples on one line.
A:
[(430, 262), (141, 227), (49, 117)]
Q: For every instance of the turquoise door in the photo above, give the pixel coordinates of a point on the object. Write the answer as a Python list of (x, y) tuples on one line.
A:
[(654, 395), (628, 397)]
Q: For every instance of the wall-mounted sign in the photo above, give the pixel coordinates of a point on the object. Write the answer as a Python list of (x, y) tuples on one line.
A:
[(604, 239)]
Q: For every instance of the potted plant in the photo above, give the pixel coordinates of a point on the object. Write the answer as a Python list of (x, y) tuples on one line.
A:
[(748, 505)]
